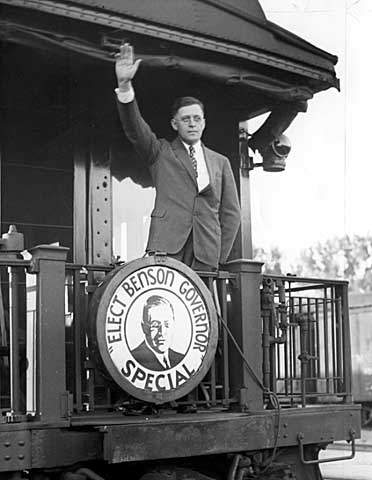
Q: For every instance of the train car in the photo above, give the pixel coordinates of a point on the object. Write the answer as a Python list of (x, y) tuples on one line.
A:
[(361, 338), (260, 377)]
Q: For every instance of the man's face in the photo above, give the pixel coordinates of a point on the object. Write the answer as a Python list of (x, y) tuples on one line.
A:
[(158, 328), (189, 123)]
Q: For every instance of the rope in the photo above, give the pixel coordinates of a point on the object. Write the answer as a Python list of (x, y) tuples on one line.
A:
[(272, 396)]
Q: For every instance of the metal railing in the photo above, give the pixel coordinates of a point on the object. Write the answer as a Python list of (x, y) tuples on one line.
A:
[(33, 346), (32, 378), (13, 315), (306, 340), (45, 328), (87, 379)]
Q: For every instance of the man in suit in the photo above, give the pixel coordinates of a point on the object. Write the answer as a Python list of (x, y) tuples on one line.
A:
[(158, 325), (196, 215)]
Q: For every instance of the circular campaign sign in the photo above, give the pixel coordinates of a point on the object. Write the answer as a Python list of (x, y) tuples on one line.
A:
[(156, 328)]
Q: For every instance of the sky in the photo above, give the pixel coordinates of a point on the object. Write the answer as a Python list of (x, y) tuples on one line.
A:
[(326, 189)]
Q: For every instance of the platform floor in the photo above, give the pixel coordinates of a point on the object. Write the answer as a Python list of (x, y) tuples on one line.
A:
[(359, 468)]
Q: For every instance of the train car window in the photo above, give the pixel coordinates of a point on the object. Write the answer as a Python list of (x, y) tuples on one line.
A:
[(132, 205)]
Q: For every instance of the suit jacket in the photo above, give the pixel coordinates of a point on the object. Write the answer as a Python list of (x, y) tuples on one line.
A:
[(212, 215), (148, 359)]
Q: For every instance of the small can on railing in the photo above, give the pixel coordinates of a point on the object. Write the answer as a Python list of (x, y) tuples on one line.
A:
[(12, 241)]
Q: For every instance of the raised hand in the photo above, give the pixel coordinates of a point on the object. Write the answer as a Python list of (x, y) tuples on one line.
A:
[(125, 66)]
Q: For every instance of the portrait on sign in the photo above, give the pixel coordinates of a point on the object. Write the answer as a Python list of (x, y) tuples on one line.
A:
[(158, 324)]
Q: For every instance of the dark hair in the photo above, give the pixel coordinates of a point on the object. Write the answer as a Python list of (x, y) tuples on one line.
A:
[(185, 102), (154, 301)]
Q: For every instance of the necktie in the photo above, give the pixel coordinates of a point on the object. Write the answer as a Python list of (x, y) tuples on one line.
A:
[(193, 159), (166, 363)]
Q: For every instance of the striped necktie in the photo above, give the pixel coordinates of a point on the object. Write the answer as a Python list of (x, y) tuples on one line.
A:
[(193, 159)]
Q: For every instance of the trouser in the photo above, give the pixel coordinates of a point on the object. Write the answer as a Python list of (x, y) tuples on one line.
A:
[(186, 256)]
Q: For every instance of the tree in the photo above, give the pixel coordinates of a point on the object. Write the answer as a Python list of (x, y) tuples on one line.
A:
[(273, 260), (348, 258)]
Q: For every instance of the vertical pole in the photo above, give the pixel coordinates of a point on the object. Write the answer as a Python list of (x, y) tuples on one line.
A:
[(266, 306), (100, 206), (342, 293), (246, 327), (233, 136), (48, 262), (246, 218), (303, 322), (78, 342), (14, 278), (80, 206), (245, 193), (12, 243)]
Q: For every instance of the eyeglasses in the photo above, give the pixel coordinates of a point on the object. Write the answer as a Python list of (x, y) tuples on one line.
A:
[(191, 119)]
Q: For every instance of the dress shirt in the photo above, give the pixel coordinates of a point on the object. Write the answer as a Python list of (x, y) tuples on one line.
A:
[(125, 97), (203, 175)]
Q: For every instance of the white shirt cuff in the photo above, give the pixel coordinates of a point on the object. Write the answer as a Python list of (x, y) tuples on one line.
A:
[(125, 97)]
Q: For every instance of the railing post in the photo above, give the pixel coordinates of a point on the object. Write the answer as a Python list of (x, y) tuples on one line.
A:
[(342, 294), (245, 324), (11, 245), (48, 262)]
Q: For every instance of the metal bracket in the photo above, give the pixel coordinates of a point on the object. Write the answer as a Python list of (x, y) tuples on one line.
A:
[(15, 450), (66, 404), (159, 257), (300, 439)]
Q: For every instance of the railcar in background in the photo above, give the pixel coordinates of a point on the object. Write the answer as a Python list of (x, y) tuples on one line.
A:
[(361, 339), (265, 376)]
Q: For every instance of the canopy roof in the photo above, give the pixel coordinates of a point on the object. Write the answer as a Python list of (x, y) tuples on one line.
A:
[(228, 41), (240, 23), (238, 28)]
